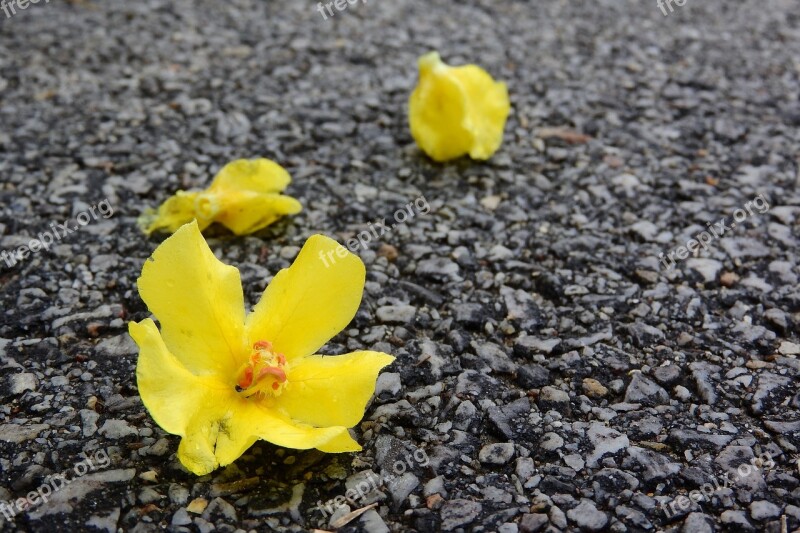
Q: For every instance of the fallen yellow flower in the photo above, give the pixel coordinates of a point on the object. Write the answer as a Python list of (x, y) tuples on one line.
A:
[(456, 111), (222, 380), (244, 197)]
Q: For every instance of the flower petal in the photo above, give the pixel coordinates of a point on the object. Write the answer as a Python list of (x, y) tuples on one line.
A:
[(311, 301), (198, 301), (255, 175), (220, 435), (168, 390), (342, 385), (247, 212), (176, 211), (489, 109), (437, 111)]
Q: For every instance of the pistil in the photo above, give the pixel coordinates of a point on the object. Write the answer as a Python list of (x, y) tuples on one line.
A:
[(264, 373)]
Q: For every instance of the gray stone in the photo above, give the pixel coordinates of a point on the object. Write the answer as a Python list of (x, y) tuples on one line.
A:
[(89, 420), (551, 442), (459, 512), (771, 391), (532, 522), (497, 454), (697, 523), (604, 441), (587, 517), (707, 268), (464, 415), (529, 346), (372, 522), (181, 518), (512, 418), (737, 520), (553, 398), (764, 510), (117, 429), (18, 434), (645, 391), (533, 376), (400, 487), (396, 314), (23, 382)]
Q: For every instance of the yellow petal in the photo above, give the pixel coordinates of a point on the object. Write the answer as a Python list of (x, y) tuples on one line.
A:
[(168, 390), (255, 175), (247, 194), (198, 301), (220, 434), (311, 301), (247, 212), (172, 214), (341, 384), (455, 111)]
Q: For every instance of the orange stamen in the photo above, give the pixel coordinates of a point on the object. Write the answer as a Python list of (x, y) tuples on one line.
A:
[(278, 373), (247, 379), (262, 345)]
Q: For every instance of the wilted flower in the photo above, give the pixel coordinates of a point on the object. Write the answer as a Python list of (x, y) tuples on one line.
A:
[(244, 197), (455, 111)]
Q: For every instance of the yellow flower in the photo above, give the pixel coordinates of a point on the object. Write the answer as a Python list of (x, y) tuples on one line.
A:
[(456, 111), (244, 197), (222, 380)]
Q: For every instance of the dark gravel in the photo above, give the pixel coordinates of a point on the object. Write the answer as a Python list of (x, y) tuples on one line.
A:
[(552, 375)]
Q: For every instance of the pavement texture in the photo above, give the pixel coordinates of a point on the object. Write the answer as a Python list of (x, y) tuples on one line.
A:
[(555, 371)]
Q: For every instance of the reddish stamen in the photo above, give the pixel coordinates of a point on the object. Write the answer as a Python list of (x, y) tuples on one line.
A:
[(262, 345), (278, 373), (247, 379)]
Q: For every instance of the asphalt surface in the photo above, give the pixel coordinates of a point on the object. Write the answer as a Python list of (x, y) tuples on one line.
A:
[(564, 361)]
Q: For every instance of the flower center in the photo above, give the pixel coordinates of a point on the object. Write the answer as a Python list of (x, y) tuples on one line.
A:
[(264, 374), (206, 206)]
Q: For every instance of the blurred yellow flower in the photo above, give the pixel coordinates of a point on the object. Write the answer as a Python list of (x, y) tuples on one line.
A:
[(244, 197), (456, 111), (222, 380)]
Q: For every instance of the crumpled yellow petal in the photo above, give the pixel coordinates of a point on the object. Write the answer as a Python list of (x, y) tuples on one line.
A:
[(308, 303), (248, 212), (455, 111), (254, 175), (246, 194), (244, 197), (216, 424), (199, 302), (220, 434), (172, 214), (343, 384)]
